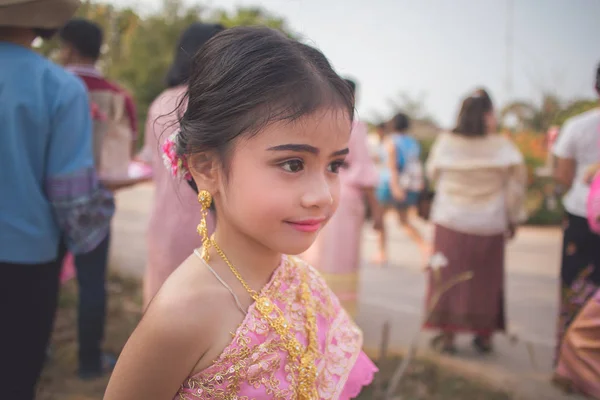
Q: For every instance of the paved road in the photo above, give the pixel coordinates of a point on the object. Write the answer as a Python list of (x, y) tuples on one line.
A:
[(395, 294)]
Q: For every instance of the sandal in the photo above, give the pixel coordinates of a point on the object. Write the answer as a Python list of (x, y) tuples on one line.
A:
[(482, 345), (439, 344)]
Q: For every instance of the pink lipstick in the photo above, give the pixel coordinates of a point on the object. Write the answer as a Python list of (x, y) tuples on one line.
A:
[(307, 225)]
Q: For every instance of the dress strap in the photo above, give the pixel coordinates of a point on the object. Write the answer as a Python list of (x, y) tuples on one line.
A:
[(237, 301)]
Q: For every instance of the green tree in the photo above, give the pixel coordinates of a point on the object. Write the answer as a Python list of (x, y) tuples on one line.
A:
[(414, 107), (530, 117), (552, 111), (574, 108), (139, 50)]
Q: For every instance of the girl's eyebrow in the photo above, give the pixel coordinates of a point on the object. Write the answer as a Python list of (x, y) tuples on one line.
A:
[(305, 148)]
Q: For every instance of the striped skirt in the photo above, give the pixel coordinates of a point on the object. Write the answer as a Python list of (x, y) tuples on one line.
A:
[(475, 305)]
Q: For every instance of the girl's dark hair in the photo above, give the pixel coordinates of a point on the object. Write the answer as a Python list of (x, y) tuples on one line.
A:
[(245, 78), (471, 119), (191, 40), (400, 122)]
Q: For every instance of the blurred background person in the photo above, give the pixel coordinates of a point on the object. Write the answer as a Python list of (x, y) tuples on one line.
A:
[(81, 43), (480, 179), (336, 252), (576, 150), (401, 182), (171, 236), (47, 167)]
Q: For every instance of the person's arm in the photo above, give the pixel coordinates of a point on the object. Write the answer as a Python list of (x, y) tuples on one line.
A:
[(131, 111), (150, 150), (564, 150), (82, 209), (591, 172), (397, 191), (162, 351), (375, 207), (431, 164), (516, 192), (564, 172)]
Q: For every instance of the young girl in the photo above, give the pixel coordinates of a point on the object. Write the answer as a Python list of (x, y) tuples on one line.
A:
[(264, 136)]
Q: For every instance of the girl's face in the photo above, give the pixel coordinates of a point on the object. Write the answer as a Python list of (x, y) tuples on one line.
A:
[(282, 184)]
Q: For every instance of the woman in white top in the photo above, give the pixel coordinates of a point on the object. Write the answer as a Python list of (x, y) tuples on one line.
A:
[(480, 180)]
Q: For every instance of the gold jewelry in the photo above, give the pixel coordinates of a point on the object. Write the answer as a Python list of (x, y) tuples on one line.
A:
[(205, 200), (307, 370)]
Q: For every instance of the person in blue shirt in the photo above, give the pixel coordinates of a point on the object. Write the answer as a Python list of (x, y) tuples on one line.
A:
[(401, 181), (50, 197)]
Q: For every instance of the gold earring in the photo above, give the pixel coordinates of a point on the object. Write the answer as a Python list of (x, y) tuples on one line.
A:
[(205, 199)]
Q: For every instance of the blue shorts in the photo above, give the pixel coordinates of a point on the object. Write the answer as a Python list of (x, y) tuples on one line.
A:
[(384, 196)]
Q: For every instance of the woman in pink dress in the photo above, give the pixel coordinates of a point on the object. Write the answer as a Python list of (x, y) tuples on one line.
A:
[(171, 236), (336, 252)]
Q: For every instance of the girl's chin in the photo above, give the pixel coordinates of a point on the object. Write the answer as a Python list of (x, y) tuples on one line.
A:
[(298, 246)]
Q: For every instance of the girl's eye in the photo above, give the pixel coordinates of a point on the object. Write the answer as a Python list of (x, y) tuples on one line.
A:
[(293, 165), (336, 165)]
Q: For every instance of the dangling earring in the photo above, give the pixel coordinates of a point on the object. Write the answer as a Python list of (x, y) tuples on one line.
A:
[(205, 199)]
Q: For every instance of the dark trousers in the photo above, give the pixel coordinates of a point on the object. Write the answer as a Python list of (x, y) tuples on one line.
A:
[(91, 314), (579, 272), (28, 301)]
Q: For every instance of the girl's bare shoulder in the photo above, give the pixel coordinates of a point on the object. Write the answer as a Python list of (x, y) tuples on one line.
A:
[(189, 299)]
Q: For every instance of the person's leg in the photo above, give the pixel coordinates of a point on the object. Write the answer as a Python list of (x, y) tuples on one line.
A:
[(443, 342), (383, 195), (28, 300), (579, 276), (483, 342), (91, 277), (381, 255), (414, 234)]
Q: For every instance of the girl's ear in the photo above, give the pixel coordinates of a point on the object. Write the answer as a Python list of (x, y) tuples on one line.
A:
[(205, 170)]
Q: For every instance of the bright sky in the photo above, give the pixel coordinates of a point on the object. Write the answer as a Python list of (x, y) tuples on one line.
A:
[(443, 49)]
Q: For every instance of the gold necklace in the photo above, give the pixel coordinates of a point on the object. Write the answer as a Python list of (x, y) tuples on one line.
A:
[(307, 371)]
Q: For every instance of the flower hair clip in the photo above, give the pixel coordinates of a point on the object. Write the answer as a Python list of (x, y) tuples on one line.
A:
[(175, 164)]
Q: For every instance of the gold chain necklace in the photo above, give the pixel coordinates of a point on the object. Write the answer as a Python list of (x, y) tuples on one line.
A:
[(307, 371)]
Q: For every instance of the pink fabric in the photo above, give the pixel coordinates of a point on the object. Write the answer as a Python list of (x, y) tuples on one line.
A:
[(254, 365), (593, 202), (337, 248), (171, 235), (593, 205)]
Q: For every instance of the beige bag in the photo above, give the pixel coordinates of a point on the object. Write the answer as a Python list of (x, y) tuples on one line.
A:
[(113, 138)]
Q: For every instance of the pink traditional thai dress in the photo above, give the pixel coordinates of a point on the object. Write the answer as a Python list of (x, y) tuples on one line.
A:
[(255, 365), (336, 252), (171, 236)]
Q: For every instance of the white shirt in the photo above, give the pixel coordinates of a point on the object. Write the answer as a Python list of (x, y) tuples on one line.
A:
[(480, 183), (579, 140)]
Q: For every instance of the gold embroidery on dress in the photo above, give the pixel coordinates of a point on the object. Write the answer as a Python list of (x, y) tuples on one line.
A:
[(258, 365)]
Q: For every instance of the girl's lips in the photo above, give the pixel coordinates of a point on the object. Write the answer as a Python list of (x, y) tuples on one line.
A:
[(307, 225)]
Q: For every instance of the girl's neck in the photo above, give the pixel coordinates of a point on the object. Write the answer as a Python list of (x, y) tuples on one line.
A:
[(253, 261)]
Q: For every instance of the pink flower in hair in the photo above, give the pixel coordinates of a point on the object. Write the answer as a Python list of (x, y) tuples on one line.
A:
[(174, 163)]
